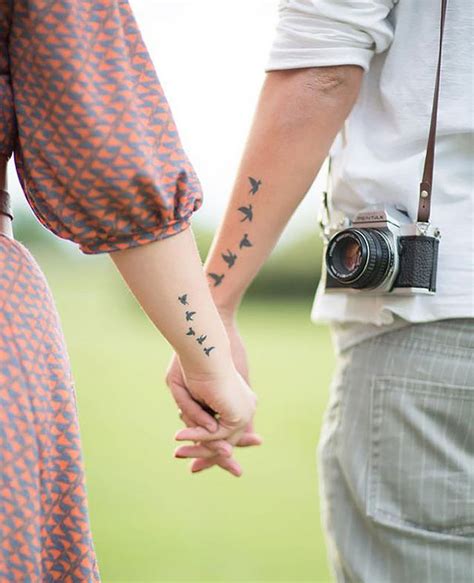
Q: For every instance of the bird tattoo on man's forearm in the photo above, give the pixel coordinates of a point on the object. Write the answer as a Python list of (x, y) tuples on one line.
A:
[(201, 339), (190, 332), (245, 242), (247, 212), (217, 279), (255, 184), (230, 258), (209, 350)]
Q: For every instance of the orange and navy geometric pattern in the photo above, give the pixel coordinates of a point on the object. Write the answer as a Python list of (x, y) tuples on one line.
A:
[(44, 526), (97, 151)]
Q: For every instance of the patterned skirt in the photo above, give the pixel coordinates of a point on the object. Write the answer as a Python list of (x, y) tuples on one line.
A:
[(44, 526)]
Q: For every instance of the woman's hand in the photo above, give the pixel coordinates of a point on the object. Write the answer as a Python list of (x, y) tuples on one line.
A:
[(217, 452), (229, 396)]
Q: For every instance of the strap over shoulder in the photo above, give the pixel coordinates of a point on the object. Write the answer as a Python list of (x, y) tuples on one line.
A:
[(424, 205)]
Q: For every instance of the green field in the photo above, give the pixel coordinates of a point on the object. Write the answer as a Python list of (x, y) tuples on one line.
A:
[(152, 519)]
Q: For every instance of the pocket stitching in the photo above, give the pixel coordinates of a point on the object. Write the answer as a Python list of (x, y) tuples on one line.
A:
[(376, 415)]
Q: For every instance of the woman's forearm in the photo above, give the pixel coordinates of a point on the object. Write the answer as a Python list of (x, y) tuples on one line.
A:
[(297, 119), (167, 279)]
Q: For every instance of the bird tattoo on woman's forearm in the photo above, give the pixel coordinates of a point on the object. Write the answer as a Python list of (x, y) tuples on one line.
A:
[(189, 317), (184, 299)]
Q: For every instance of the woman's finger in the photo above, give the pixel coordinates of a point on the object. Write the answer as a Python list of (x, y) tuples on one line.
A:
[(228, 464), (190, 409), (186, 420)]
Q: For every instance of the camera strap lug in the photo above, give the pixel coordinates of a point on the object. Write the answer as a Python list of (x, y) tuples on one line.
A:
[(422, 228), (426, 230)]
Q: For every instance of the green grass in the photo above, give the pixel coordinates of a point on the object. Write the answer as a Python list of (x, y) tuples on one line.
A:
[(152, 519)]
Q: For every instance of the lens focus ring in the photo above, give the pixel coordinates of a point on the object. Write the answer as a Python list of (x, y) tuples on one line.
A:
[(359, 258), (379, 259)]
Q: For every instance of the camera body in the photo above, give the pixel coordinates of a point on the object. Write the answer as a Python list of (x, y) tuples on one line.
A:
[(381, 252)]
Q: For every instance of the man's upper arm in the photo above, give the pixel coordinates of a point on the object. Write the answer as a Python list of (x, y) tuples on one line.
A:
[(321, 33)]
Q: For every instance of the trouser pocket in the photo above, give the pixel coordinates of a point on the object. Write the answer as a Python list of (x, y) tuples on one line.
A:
[(421, 465)]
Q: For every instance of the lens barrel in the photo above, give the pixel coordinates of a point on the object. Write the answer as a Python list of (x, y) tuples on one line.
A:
[(359, 258)]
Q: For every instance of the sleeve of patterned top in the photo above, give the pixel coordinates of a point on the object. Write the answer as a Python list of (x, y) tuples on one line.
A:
[(7, 111), (322, 33), (98, 154)]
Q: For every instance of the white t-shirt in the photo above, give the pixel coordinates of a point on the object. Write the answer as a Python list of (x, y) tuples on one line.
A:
[(378, 156)]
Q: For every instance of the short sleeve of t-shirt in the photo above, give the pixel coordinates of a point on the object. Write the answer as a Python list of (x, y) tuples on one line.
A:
[(318, 33)]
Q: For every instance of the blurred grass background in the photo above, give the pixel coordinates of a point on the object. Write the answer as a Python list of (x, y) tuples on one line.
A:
[(152, 520)]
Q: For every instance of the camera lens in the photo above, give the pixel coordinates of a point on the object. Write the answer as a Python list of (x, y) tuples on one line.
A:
[(359, 258)]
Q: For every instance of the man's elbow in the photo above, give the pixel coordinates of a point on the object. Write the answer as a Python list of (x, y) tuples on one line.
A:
[(298, 97), (331, 80)]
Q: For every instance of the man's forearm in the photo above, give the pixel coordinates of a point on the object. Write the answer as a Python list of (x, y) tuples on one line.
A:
[(298, 116)]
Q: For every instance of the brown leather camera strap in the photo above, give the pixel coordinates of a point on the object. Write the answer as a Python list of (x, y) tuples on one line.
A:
[(426, 184)]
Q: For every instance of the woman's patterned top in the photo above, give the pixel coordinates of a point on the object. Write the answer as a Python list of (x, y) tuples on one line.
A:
[(96, 148)]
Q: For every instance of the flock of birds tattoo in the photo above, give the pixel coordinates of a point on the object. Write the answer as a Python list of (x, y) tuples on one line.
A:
[(230, 257), (189, 315)]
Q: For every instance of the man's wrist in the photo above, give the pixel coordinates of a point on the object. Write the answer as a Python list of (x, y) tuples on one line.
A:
[(227, 312)]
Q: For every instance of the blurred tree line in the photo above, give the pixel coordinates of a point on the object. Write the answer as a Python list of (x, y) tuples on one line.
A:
[(293, 269)]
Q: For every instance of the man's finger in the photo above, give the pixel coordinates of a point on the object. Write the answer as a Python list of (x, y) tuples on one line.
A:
[(213, 447), (249, 439)]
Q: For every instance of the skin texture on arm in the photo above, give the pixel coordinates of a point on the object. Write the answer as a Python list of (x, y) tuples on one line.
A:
[(298, 116), (167, 279)]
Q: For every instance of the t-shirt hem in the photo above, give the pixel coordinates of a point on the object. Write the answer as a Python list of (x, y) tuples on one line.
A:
[(318, 58), (349, 331)]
